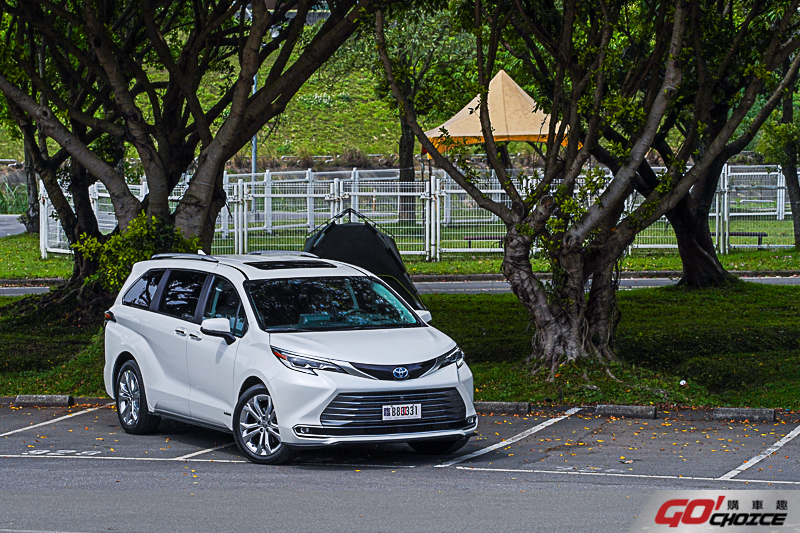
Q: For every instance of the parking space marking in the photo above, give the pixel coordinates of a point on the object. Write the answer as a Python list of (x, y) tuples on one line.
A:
[(613, 474), (512, 440), (758, 458), (201, 452), (112, 458), (55, 420), (32, 531), (185, 458)]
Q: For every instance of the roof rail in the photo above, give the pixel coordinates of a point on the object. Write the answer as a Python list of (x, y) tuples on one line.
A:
[(196, 257), (282, 252)]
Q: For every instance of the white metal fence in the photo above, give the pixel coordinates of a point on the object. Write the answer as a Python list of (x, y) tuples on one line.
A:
[(432, 215)]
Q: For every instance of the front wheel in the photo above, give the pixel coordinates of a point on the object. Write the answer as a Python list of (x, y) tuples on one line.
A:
[(132, 401), (255, 428), (439, 446)]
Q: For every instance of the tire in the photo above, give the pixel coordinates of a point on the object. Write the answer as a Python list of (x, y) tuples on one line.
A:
[(255, 428), (132, 401), (440, 446)]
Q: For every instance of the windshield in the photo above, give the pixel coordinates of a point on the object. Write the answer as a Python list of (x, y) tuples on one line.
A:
[(317, 304)]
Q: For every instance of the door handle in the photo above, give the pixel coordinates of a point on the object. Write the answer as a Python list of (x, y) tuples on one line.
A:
[(195, 336), (181, 332)]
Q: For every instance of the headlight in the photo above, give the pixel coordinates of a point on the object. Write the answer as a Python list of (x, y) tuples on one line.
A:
[(301, 363), (456, 356)]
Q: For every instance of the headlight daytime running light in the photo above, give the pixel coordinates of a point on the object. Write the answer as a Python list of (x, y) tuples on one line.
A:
[(303, 363), (455, 356)]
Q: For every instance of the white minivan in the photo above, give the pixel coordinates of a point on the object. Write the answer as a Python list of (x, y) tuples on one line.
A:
[(285, 351)]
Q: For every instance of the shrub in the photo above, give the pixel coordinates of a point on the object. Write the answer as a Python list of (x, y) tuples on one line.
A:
[(143, 238)]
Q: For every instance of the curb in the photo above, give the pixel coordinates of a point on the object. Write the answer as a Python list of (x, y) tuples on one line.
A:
[(509, 408), (741, 414), (34, 282), (44, 400), (628, 411)]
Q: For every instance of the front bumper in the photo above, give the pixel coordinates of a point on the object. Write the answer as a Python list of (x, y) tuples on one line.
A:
[(304, 405)]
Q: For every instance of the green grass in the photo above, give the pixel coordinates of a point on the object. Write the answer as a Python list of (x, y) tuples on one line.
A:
[(13, 200), (738, 346), (331, 119), (48, 351), (20, 259)]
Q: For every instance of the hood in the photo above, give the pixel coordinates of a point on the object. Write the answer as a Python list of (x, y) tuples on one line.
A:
[(400, 346)]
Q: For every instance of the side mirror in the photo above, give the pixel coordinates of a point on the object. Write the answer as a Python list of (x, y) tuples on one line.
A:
[(424, 315), (218, 327)]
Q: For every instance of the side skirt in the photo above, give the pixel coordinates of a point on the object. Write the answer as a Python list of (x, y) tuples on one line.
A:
[(191, 421)]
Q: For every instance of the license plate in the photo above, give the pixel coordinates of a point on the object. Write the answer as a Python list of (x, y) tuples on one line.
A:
[(406, 411)]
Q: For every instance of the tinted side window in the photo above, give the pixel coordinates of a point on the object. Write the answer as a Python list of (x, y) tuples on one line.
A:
[(182, 293), (224, 302), (142, 292)]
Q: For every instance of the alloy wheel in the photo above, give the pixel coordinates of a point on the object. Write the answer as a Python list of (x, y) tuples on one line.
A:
[(258, 426), (129, 397)]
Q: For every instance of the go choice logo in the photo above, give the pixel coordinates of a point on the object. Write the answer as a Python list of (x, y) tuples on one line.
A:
[(673, 513)]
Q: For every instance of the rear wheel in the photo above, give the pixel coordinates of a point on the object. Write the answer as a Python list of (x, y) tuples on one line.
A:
[(439, 446), (255, 428), (132, 401)]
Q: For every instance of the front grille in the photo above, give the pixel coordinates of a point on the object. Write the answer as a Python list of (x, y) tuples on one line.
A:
[(361, 413), (384, 372)]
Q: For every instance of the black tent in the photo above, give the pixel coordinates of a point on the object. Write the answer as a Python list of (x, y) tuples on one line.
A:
[(363, 245)]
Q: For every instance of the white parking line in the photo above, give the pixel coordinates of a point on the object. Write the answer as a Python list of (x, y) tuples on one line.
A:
[(184, 458), (112, 458), (758, 458), (201, 452), (32, 531), (512, 440), (612, 474), (54, 420)]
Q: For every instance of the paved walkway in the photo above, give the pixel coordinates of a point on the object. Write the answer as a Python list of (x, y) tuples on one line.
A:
[(9, 225)]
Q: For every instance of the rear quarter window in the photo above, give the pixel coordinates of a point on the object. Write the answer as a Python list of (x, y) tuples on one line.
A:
[(143, 290)]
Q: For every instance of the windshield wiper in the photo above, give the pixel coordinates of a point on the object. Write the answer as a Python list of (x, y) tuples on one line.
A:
[(288, 330)]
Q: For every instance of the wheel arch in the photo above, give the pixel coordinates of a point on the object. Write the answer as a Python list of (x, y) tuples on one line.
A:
[(122, 358), (249, 382)]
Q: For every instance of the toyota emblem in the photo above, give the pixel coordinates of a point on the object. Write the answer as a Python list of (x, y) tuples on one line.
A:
[(400, 372)]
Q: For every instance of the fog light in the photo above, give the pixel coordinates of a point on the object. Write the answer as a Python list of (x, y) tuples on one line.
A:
[(471, 420), (302, 430)]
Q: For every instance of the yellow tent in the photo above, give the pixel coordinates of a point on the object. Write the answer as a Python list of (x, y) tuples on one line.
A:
[(511, 112)]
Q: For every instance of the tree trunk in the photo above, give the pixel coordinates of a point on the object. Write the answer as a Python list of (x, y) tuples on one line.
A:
[(701, 267), (568, 327), (790, 165), (31, 217), (406, 161)]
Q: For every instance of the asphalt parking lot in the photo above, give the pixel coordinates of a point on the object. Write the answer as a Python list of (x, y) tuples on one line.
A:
[(512, 458)]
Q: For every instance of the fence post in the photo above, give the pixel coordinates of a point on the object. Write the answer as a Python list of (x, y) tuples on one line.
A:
[(44, 229), (447, 198), (333, 195), (310, 200), (144, 188), (238, 229), (247, 191), (226, 215), (268, 201), (781, 193), (354, 193), (426, 201), (93, 196), (726, 210), (438, 227)]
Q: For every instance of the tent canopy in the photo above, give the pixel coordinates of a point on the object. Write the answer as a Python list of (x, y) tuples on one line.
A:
[(511, 111), (363, 245)]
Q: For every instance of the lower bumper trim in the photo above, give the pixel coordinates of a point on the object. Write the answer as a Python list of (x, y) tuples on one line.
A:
[(394, 429)]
